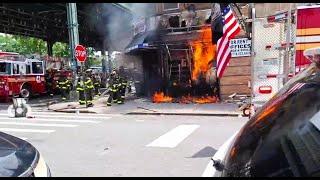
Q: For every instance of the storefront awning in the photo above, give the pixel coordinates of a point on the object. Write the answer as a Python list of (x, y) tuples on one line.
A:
[(138, 42)]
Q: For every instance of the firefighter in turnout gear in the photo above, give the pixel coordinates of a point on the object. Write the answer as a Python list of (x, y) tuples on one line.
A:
[(96, 83), (80, 90), (69, 87), (62, 84), (89, 89), (112, 88), (123, 83), (49, 82)]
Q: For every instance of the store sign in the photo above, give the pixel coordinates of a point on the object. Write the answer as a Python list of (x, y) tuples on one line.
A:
[(139, 26), (240, 47)]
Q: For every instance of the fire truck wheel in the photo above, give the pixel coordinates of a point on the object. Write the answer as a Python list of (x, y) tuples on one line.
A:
[(25, 92)]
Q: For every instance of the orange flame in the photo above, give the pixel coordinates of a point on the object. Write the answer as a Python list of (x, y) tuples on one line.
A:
[(199, 100), (204, 52), (159, 97)]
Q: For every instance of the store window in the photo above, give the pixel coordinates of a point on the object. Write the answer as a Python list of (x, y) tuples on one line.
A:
[(16, 69), (37, 68)]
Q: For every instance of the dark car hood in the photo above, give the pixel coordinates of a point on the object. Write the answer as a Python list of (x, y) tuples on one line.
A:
[(16, 156)]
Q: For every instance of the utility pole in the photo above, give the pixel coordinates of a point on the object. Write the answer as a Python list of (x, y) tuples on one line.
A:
[(72, 19)]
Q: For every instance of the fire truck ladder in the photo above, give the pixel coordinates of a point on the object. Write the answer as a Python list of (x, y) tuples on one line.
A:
[(179, 67)]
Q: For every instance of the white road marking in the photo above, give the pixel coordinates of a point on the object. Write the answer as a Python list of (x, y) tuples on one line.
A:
[(53, 120), (64, 114), (38, 124), (172, 138), (23, 138), (59, 116), (27, 130)]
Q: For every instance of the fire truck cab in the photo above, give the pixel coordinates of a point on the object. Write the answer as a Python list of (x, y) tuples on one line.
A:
[(20, 76)]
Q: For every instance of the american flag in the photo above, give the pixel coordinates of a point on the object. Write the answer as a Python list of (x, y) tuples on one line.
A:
[(231, 28)]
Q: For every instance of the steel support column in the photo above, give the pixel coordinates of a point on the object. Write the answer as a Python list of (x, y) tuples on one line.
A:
[(49, 47), (104, 57), (72, 20), (73, 31)]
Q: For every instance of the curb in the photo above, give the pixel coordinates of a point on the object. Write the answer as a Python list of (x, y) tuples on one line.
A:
[(75, 111), (184, 114)]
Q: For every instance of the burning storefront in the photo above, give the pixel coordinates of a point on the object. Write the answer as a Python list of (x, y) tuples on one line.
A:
[(178, 67), (179, 61)]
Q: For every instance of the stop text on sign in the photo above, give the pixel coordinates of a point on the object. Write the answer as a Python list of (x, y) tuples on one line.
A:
[(80, 53)]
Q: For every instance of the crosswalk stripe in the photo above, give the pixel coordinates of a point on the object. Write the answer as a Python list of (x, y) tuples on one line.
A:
[(58, 116), (37, 124), (71, 114), (172, 138), (53, 120), (27, 130)]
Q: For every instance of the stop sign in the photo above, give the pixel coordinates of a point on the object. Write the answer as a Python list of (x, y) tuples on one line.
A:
[(80, 53)]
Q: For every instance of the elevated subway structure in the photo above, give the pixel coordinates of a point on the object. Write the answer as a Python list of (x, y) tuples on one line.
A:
[(48, 21)]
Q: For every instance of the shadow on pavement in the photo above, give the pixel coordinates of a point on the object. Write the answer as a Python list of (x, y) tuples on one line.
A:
[(204, 153)]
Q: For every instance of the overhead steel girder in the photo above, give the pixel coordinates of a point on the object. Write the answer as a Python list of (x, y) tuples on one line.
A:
[(16, 15), (15, 32), (31, 15)]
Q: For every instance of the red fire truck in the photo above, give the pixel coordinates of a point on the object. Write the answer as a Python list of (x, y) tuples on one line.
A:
[(20, 76), (271, 36)]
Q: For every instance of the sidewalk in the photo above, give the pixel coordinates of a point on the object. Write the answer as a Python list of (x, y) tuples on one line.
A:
[(141, 106)]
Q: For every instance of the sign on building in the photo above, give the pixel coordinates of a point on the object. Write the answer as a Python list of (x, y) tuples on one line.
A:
[(240, 47), (139, 26)]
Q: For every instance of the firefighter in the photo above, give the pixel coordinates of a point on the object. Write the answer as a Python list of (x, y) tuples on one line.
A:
[(49, 82), (69, 87), (62, 84), (89, 88), (96, 83), (80, 90), (123, 83), (112, 88)]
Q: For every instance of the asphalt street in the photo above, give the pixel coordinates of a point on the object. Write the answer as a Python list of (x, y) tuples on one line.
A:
[(123, 145)]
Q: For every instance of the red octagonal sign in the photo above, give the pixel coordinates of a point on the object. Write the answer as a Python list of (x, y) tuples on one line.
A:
[(80, 53)]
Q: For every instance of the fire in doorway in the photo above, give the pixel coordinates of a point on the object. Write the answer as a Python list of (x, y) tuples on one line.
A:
[(200, 85)]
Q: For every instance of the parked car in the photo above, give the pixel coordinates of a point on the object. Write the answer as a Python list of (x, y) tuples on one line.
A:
[(283, 137), (18, 158)]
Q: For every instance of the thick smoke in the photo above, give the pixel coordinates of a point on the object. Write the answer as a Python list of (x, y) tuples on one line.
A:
[(114, 24)]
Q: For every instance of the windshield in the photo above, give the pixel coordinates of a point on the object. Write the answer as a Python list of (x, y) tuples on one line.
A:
[(5, 68), (283, 138)]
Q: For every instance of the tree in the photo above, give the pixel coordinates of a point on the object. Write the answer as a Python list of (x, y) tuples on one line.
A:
[(61, 49), (91, 59), (29, 45)]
